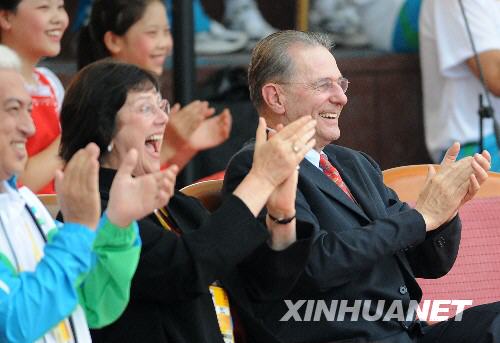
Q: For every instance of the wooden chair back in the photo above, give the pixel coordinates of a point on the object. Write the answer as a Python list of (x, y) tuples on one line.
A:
[(208, 192), (50, 202), (408, 181), (474, 275)]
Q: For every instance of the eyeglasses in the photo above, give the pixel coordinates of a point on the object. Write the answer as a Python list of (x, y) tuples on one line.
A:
[(148, 108), (164, 105), (324, 85)]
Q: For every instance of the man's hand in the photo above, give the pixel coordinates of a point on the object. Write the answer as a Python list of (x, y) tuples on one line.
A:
[(453, 185), (132, 198), (274, 160), (481, 164), (277, 157), (78, 190)]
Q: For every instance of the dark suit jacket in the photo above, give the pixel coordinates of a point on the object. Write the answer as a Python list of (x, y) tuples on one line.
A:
[(372, 250), (169, 297)]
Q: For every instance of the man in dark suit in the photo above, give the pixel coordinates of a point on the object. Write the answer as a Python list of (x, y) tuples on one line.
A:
[(359, 283)]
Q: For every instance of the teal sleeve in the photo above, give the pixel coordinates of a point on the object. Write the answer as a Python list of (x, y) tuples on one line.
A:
[(105, 292), (31, 303)]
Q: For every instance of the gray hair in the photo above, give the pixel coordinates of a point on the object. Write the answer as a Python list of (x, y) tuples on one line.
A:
[(271, 60), (9, 59)]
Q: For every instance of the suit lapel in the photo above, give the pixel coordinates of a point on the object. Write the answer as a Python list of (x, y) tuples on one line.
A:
[(356, 183), (313, 174), (359, 188)]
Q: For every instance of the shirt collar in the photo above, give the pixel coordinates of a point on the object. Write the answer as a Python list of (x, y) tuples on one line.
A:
[(12, 181), (313, 157)]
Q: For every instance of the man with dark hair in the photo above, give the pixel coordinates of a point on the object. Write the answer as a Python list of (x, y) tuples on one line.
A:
[(359, 283)]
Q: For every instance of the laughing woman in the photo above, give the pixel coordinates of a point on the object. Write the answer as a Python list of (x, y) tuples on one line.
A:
[(185, 249), (56, 279)]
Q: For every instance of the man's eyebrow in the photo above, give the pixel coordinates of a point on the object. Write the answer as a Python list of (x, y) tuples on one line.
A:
[(18, 101), (12, 100), (326, 78)]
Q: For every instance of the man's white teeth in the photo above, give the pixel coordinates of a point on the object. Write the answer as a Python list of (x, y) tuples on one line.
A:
[(328, 115), (20, 145)]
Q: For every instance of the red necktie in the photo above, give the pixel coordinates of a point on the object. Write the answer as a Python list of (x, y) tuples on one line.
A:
[(333, 174)]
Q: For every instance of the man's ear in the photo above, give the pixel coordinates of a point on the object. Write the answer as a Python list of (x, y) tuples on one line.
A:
[(5, 20), (273, 97), (113, 42)]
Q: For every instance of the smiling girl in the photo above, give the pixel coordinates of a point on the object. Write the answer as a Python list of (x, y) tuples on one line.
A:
[(138, 32), (34, 28), (135, 32)]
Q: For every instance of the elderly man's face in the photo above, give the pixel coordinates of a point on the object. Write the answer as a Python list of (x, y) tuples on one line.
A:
[(314, 90), (16, 125)]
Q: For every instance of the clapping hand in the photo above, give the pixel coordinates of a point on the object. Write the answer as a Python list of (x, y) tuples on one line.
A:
[(277, 157), (132, 198), (192, 129), (274, 160), (77, 188), (454, 184), (211, 132)]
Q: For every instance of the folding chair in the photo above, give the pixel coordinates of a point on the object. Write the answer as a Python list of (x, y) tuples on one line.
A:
[(476, 273), (208, 192), (50, 202)]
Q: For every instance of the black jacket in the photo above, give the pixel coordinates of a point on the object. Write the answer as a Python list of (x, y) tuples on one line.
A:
[(372, 250), (170, 300)]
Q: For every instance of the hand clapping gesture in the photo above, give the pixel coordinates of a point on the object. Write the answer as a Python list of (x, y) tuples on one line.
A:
[(281, 203), (277, 157), (272, 180), (453, 185), (193, 129), (132, 198), (77, 188)]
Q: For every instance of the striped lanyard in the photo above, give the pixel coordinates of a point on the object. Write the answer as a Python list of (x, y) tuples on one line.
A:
[(219, 295)]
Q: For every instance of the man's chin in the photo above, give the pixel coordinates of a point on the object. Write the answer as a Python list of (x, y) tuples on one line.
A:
[(321, 143), (17, 169)]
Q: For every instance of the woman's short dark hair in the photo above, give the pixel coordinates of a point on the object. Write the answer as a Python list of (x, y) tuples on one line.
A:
[(9, 5), (116, 16), (92, 100)]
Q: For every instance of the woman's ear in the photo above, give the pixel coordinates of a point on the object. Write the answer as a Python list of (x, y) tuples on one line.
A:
[(113, 42), (5, 20), (273, 97)]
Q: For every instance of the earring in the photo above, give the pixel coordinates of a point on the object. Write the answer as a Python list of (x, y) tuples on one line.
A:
[(110, 146)]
